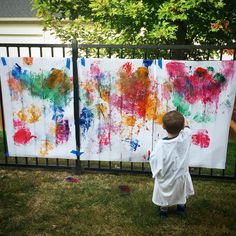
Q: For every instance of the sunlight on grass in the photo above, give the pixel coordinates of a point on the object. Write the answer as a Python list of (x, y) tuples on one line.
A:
[(43, 203)]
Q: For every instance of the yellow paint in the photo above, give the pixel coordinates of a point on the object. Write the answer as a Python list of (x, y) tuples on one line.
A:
[(105, 95), (159, 119), (30, 115), (152, 106), (52, 129), (101, 109), (129, 120), (46, 147)]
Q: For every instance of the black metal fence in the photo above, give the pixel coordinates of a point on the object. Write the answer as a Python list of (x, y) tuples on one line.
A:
[(74, 50)]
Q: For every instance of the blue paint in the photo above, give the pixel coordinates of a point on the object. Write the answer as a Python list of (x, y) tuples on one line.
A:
[(82, 61), (133, 144), (58, 112), (68, 63), (147, 62), (4, 61), (76, 153), (86, 118), (159, 62), (17, 72)]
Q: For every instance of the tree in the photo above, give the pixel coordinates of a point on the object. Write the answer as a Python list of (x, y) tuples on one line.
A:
[(140, 21)]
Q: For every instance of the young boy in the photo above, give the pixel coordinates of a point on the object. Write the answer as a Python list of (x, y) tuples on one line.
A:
[(169, 165)]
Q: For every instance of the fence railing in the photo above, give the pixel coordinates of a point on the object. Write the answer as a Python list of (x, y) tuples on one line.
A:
[(74, 50)]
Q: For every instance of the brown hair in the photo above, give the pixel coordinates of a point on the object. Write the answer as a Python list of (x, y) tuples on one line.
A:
[(173, 122)]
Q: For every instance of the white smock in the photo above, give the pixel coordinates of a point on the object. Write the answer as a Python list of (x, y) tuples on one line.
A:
[(170, 169)]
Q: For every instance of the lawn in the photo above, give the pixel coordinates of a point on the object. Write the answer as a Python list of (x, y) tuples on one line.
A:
[(36, 202)]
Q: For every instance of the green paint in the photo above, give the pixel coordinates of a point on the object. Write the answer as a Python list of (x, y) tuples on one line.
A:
[(228, 103), (219, 77), (202, 118), (36, 84), (180, 104), (210, 68)]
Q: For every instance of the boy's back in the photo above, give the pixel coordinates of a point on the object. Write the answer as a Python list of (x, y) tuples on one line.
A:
[(169, 166)]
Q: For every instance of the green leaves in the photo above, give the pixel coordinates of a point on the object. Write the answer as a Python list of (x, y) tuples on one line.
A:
[(140, 21)]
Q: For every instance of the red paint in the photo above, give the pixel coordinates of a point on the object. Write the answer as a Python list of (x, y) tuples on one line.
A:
[(128, 68), (23, 136), (135, 91), (201, 139), (201, 86), (62, 131)]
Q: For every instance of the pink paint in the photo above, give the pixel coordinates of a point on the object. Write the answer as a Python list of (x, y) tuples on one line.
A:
[(201, 139), (94, 70), (62, 131), (104, 138), (23, 136), (228, 69), (165, 91), (18, 124), (176, 69), (200, 86)]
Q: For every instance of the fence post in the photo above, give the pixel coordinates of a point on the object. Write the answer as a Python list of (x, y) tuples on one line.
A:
[(76, 104), (3, 126)]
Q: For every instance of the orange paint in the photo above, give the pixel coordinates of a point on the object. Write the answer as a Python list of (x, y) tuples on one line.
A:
[(129, 120), (28, 61), (15, 87), (105, 95), (55, 78)]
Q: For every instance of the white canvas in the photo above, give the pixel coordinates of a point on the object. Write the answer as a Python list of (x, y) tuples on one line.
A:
[(38, 107), (115, 128), (204, 92), (117, 108)]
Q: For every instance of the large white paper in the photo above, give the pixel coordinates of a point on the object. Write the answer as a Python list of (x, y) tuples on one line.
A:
[(122, 103), (38, 107)]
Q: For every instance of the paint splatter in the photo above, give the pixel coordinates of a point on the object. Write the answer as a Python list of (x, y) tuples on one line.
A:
[(129, 120), (23, 136), (135, 91), (202, 118), (128, 68), (201, 139), (54, 85), (62, 131), (15, 88), (58, 112), (18, 124), (104, 137), (30, 115), (133, 144), (28, 61), (45, 148), (86, 118), (204, 85)]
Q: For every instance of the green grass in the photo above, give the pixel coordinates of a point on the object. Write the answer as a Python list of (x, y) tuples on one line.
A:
[(42, 203)]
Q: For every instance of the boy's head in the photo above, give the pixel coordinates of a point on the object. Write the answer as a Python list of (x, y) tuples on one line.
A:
[(173, 122)]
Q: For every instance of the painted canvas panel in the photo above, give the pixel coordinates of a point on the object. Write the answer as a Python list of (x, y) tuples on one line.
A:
[(118, 105), (38, 107), (204, 92)]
